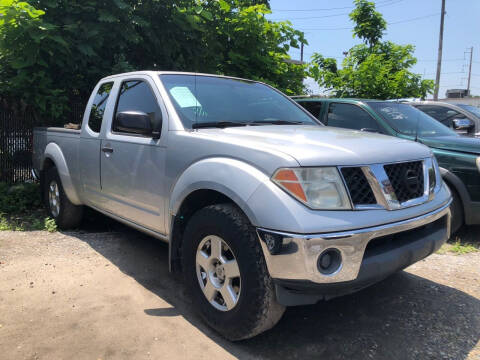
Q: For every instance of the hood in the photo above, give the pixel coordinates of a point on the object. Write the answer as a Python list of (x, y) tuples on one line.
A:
[(456, 143), (321, 145)]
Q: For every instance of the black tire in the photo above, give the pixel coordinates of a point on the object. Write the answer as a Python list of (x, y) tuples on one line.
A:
[(69, 215), (257, 309), (457, 211)]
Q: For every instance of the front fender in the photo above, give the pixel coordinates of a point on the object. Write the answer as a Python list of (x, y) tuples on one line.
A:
[(54, 153), (458, 185), (233, 178)]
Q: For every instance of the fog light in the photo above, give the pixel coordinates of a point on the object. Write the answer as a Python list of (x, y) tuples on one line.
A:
[(329, 261)]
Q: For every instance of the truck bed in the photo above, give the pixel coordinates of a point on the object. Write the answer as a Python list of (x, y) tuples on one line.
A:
[(56, 129), (66, 139)]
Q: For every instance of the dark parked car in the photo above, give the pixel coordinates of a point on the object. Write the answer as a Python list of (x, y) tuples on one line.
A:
[(458, 156), (463, 118)]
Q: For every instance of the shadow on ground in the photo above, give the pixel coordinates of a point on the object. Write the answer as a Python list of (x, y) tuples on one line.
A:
[(403, 317)]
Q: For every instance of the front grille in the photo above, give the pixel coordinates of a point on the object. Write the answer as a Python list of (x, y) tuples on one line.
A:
[(406, 179), (358, 186)]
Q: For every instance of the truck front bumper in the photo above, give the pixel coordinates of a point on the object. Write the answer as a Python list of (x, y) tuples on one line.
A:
[(308, 268)]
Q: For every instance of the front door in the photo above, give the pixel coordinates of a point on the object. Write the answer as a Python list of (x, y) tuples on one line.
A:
[(132, 165)]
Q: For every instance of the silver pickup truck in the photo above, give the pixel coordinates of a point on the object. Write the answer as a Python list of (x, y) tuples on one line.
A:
[(262, 206)]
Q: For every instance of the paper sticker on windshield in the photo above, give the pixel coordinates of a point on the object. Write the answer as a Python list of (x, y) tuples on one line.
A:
[(184, 97)]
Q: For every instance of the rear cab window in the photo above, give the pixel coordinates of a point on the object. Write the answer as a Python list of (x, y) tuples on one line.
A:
[(98, 107), (313, 107), (351, 116)]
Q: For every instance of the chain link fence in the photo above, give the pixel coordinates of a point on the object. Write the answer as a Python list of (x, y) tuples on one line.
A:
[(16, 140)]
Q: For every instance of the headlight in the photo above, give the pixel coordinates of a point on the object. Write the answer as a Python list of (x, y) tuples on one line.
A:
[(478, 163), (318, 188)]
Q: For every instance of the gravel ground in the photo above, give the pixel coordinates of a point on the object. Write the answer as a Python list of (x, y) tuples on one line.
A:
[(108, 295)]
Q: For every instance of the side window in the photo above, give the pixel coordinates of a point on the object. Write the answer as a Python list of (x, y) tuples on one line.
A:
[(313, 107), (351, 117), (98, 107), (136, 95), (443, 114)]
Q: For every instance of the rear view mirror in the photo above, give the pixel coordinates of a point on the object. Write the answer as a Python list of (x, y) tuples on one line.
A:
[(135, 122), (462, 124)]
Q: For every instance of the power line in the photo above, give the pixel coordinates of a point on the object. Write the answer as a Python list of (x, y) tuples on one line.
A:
[(442, 60), (413, 19), (418, 60), (331, 15), (383, 3), (390, 23), (448, 73)]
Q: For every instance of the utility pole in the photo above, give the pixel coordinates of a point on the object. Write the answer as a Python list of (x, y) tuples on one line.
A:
[(301, 52), (439, 59), (469, 71)]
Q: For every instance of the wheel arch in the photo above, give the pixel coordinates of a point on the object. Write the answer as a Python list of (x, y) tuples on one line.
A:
[(193, 202), (53, 157), (204, 184), (454, 182)]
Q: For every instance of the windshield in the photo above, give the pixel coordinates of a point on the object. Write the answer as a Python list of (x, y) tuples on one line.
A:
[(406, 120), (472, 109), (210, 100)]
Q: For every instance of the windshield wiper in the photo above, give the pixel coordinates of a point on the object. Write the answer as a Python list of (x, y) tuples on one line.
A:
[(275, 122), (217, 124)]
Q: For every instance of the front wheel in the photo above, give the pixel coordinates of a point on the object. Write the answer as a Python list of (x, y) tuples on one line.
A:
[(66, 214), (226, 274)]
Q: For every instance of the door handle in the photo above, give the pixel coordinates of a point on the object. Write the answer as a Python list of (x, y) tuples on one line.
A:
[(106, 149)]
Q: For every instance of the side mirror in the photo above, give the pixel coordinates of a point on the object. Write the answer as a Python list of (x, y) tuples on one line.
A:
[(462, 124), (136, 122)]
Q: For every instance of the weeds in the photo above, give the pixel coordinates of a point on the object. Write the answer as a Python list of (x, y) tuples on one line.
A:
[(466, 241), (21, 209)]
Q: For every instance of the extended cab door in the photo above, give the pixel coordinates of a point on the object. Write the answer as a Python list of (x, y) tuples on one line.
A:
[(99, 108), (133, 165)]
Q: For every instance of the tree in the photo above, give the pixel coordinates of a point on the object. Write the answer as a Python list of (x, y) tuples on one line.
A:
[(369, 24), (374, 69), (53, 51), (240, 41)]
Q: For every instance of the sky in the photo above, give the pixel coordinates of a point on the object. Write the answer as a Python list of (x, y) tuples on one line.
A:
[(328, 31)]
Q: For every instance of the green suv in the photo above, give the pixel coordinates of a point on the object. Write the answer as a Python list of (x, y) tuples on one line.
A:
[(458, 157)]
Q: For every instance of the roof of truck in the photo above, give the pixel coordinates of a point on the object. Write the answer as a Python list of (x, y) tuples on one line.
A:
[(345, 100), (154, 73)]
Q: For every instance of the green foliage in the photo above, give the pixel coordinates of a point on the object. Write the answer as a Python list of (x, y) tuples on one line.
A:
[(19, 198), (375, 69), (20, 208), (459, 247), (35, 220), (58, 53), (240, 41), (369, 24), (50, 225)]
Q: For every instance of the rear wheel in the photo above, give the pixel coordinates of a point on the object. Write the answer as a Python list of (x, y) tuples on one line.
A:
[(59, 207), (225, 273)]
